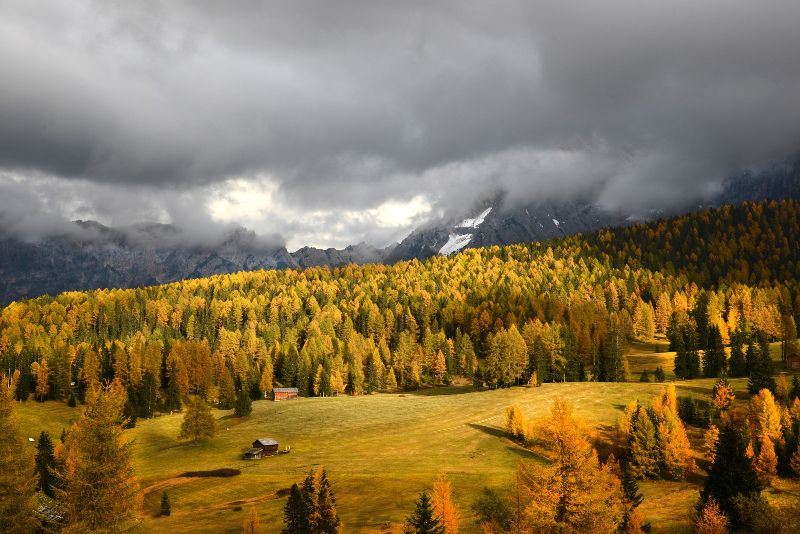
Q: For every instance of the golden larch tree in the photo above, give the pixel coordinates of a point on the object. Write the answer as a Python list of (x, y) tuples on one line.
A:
[(17, 470), (712, 520), (252, 524), (575, 493), (99, 489), (443, 506)]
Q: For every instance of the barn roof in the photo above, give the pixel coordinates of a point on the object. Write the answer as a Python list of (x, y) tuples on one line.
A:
[(252, 451), (266, 441), (284, 390)]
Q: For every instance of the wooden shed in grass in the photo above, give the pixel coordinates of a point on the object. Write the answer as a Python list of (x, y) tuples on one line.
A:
[(284, 394), (253, 454), (267, 446), (793, 361)]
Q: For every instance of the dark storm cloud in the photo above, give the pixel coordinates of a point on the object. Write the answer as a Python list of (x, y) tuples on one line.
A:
[(345, 105)]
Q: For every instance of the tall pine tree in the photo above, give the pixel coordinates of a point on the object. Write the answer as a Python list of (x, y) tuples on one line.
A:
[(17, 474), (99, 486), (422, 521)]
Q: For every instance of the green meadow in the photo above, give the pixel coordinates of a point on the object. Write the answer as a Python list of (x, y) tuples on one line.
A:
[(380, 452)]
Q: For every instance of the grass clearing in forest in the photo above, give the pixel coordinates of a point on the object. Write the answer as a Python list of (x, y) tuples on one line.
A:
[(380, 452)]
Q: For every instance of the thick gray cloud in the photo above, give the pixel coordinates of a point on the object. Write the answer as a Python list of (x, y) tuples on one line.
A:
[(149, 110)]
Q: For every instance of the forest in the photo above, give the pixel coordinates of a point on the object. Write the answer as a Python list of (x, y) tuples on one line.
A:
[(561, 310)]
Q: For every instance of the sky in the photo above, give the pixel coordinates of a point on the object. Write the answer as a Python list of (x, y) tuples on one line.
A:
[(326, 123)]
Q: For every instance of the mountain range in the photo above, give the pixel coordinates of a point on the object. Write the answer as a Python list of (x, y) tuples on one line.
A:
[(149, 254)]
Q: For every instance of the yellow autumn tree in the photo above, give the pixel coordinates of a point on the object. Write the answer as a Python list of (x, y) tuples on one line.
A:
[(673, 442), (41, 371), (443, 506), (766, 463), (765, 416), (710, 440), (99, 487), (252, 525), (722, 394), (575, 493), (17, 471), (712, 520), (515, 422)]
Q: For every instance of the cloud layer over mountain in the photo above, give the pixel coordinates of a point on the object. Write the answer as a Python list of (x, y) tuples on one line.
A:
[(328, 123)]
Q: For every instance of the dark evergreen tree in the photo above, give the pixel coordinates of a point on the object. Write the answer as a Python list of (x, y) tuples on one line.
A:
[(761, 375), (630, 486), (45, 463), (644, 377), (751, 359), (172, 401), (732, 472), (569, 350), (676, 343), (794, 393), (659, 374), (328, 518), (714, 362), (244, 404), (702, 327), (72, 402), (166, 508), (295, 513), (422, 520), (737, 365)]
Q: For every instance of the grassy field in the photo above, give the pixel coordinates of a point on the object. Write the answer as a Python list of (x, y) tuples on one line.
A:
[(380, 452)]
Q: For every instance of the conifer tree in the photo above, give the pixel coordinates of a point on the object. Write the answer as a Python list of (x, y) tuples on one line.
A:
[(736, 364), (722, 394), (423, 521), (794, 393), (751, 358), (714, 360), (710, 441), (443, 506), (761, 375), (659, 374), (172, 401), (643, 454), (391, 380), (515, 422), (644, 377), (764, 418), (732, 473), (673, 443), (574, 493), (766, 463), (328, 518), (198, 422), (244, 404), (99, 486), (45, 463), (295, 513), (17, 472), (166, 507)]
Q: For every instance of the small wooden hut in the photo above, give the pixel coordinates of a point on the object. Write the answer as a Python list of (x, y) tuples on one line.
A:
[(793, 361), (267, 446), (284, 394), (253, 454)]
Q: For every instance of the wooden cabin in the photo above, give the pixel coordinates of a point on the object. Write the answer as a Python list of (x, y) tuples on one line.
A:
[(284, 394), (253, 454), (267, 446), (793, 361)]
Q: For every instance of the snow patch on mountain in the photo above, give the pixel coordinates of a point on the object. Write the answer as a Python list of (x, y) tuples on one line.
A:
[(455, 243), (476, 222)]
